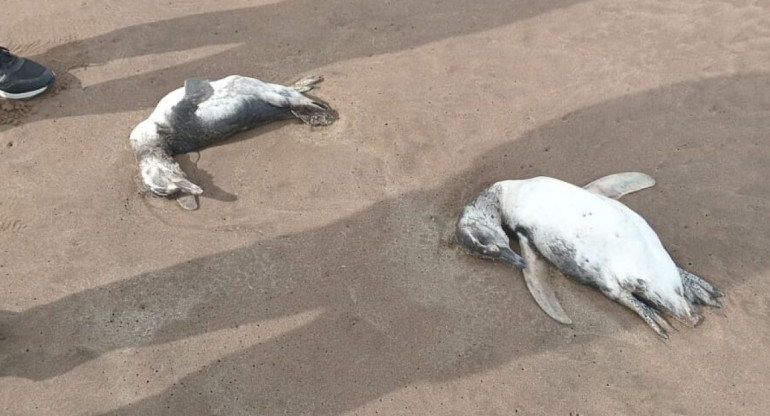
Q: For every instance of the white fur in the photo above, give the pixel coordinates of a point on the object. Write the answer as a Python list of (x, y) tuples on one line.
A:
[(603, 232), (161, 174), (229, 93)]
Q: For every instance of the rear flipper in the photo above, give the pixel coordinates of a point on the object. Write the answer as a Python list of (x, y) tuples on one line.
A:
[(306, 84), (653, 319), (699, 291), (314, 112)]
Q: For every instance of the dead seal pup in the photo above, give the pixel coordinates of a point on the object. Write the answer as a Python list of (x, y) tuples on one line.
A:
[(590, 237), (204, 112)]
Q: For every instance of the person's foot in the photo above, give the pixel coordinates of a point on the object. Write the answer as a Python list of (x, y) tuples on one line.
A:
[(22, 78)]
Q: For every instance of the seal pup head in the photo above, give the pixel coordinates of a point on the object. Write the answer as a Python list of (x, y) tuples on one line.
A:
[(160, 173), (162, 176), (480, 230)]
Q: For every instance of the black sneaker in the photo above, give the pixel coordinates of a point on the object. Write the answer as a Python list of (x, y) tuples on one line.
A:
[(22, 78)]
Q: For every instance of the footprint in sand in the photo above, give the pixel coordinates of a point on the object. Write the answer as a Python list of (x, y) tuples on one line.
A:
[(12, 217)]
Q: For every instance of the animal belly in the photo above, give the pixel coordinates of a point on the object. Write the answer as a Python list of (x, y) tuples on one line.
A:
[(584, 235), (580, 244)]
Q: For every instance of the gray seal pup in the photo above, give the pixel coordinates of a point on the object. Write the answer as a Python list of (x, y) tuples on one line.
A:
[(205, 112), (590, 237)]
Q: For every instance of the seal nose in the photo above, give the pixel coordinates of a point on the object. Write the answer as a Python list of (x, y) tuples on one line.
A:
[(512, 258)]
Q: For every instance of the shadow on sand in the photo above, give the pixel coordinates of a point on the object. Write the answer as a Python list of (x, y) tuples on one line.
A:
[(322, 32), (400, 304)]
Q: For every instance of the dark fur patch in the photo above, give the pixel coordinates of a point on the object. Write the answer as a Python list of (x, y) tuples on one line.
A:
[(526, 232), (197, 90), (187, 132), (566, 260)]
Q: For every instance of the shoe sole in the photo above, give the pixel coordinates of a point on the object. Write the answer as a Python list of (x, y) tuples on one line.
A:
[(22, 95)]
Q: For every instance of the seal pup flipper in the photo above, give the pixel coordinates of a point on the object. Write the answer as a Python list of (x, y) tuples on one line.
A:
[(619, 184), (699, 291), (653, 319), (187, 202), (186, 186), (536, 276), (197, 90), (306, 84), (313, 112)]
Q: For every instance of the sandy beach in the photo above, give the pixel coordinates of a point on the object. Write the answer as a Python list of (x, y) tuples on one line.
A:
[(319, 275)]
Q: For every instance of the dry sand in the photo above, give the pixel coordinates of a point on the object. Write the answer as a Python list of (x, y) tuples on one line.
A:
[(318, 275)]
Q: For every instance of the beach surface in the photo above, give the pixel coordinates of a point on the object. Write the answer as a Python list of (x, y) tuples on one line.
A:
[(319, 275)]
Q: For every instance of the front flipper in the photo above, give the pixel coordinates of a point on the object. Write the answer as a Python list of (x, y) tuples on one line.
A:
[(536, 276), (197, 90), (187, 202), (619, 184), (187, 187)]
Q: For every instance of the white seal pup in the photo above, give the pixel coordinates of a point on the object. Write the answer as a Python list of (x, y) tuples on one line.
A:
[(204, 112), (589, 237)]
